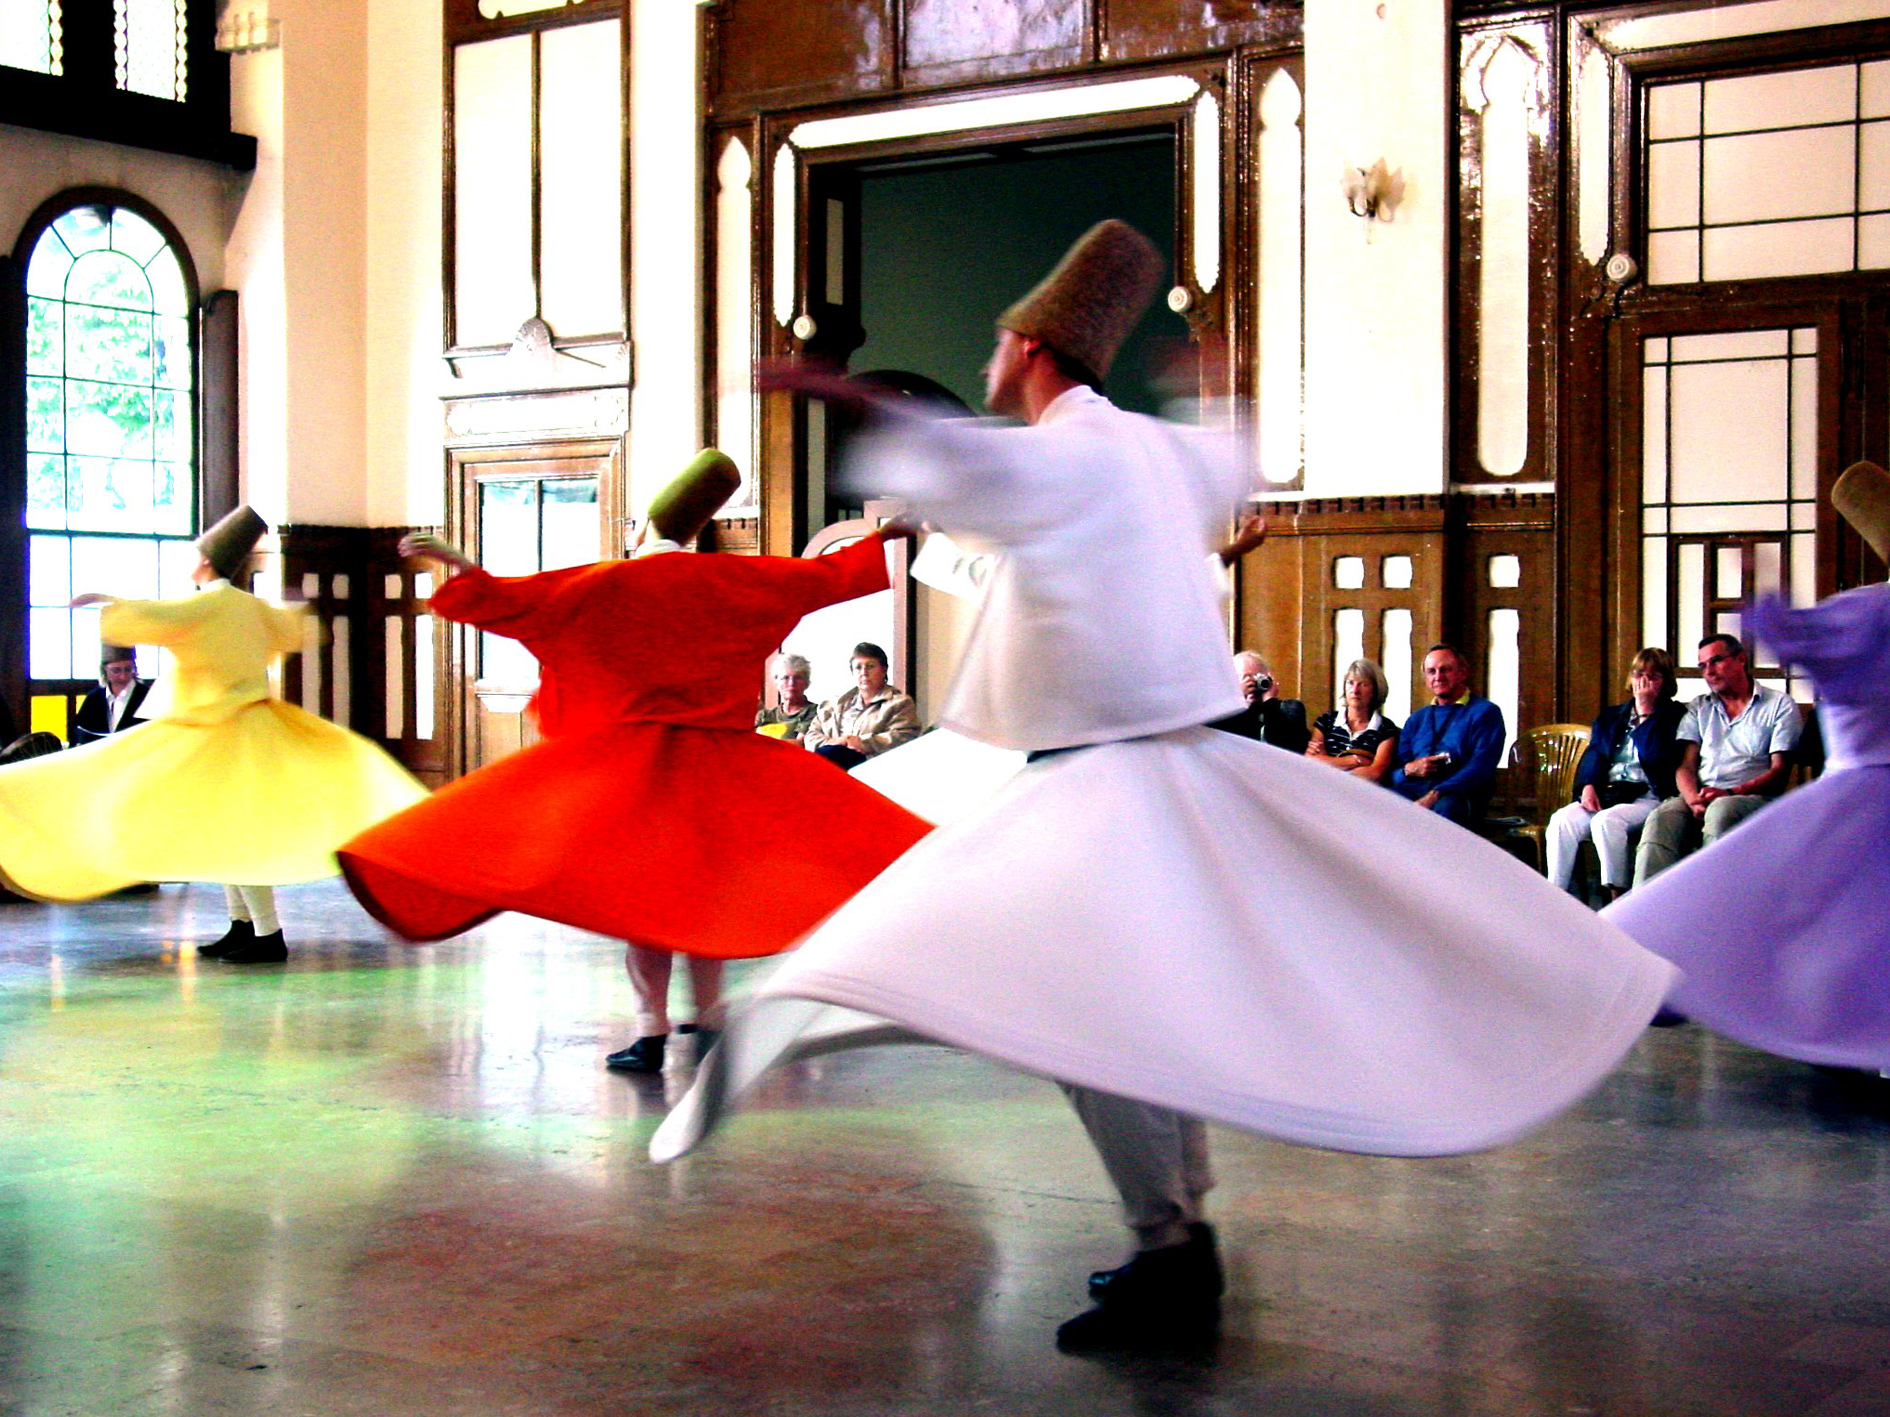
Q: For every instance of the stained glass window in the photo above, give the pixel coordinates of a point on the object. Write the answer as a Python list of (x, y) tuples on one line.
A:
[(111, 478), (32, 36)]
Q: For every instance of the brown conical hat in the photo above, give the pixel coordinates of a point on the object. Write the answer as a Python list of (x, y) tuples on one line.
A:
[(694, 495), (1085, 308), (116, 654), (1862, 498), (228, 544)]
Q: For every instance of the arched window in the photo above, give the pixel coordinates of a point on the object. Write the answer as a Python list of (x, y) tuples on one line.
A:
[(111, 467)]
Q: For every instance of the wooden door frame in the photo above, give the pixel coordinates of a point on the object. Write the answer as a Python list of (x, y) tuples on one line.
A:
[(1836, 316), (466, 469)]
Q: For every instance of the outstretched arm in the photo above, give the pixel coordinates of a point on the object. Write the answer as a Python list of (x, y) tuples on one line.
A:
[(425, 546), (1252, 531)]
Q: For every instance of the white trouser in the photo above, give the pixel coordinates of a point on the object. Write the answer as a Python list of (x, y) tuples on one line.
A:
[(256, 904), (1612, 829), (1156, 1159), (649, 972)]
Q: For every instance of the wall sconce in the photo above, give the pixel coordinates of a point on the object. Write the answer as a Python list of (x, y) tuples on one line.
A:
[(1373, 193)]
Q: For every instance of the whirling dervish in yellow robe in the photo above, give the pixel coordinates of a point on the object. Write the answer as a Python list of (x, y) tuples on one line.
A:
[(226, 783)]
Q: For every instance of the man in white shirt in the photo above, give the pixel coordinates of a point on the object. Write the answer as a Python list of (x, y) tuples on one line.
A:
[(113, 706), (1738, 741)]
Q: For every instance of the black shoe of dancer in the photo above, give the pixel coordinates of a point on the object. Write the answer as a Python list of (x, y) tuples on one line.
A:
[(1200, 1240), (704, 1038), (1167, 1298), (263, 949), (240, 933), (643, 1056)]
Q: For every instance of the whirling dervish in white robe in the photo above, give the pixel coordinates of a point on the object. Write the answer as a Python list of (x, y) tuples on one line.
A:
[(1167, 912)]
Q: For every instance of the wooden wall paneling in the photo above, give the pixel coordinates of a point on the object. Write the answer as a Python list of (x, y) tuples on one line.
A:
[(326, 567), (1273, 611), (394, 607), (771, 56), (1165, 29), (1478, 47), (948, 41), (1295, 626), (1482, 528)]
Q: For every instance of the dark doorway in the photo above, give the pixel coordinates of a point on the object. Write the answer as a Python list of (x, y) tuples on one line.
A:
[(947, 241)]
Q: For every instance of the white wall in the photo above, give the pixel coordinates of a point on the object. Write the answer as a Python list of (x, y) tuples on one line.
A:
[(197, 196), (405, 482), (1377, 76), (666, 261), (254, 263), (324, 247)]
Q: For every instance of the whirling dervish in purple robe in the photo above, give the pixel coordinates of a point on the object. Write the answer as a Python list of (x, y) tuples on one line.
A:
[(1809, 978)]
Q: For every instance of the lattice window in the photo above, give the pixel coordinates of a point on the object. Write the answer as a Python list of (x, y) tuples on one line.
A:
[(1729, 481), (1785, 173), (111, 495), (32, 35), (150, 49)]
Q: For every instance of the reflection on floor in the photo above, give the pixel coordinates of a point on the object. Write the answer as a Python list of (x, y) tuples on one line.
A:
[(392, 1181)]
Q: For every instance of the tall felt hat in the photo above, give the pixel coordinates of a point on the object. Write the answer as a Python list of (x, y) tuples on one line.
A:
[(116, 654), (1085, 308), (694, 495), (1862, 498), (228, 544)]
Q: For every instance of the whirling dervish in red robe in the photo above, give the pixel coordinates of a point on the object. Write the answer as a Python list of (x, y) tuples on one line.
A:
[(650, 810)]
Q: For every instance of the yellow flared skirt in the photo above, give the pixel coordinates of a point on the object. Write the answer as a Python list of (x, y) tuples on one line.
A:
[(262, 798)]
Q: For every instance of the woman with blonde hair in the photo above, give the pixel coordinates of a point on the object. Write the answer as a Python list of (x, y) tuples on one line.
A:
[(1354, 736), (1627, 770)]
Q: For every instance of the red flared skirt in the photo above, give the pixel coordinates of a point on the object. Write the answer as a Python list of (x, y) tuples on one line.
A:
[(703, 841)]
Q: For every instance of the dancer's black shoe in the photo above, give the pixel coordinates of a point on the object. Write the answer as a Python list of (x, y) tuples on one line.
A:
[(240, 933), (264, 949), (1200, 1239), (1162, 1299), (643, 1056)]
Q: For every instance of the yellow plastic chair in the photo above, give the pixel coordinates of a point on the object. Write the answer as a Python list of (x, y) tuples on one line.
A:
[(1549, 756)]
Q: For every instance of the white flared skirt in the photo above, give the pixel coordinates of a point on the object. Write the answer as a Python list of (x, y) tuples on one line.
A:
[(1206, 923)]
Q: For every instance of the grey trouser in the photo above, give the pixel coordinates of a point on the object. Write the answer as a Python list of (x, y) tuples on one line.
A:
[(1156, 1159), (1673, 831), (649, 972)]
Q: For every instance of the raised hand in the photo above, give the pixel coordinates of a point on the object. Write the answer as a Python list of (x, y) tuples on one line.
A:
[(425, 546)]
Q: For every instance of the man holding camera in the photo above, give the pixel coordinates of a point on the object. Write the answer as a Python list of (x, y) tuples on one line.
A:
[(1268, 718), (1452, 745)]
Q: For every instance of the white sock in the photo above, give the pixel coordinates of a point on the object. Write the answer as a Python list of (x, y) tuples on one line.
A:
[(261, 901), (233, 897)]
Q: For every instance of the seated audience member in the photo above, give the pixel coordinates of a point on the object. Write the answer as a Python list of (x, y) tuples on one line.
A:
[(1452, 745), (1355, 737), (1736, 744), (1267, 717), (1626, 772), (867, 719), (113, 706), (793, 712)]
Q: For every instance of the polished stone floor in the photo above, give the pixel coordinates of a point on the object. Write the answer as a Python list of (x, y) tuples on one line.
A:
[(383, 1180)]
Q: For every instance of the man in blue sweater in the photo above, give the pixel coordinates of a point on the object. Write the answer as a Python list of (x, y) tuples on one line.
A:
[(1452, 745)]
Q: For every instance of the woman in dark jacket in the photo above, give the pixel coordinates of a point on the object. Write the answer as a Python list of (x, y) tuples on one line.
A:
[(1627, 770)]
